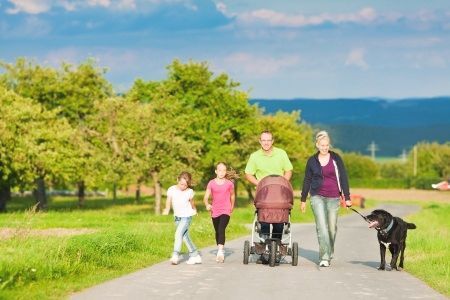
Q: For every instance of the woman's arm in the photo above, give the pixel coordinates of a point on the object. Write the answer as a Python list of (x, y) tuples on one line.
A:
[(343, 177)]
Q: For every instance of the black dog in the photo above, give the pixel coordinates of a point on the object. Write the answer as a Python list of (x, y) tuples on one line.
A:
[(392, 232)]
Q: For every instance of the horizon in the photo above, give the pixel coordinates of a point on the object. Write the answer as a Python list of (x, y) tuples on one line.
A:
[(302, 49)]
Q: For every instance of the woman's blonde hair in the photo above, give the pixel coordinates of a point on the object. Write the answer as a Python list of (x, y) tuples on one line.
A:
[(231, 174), (322, 135)]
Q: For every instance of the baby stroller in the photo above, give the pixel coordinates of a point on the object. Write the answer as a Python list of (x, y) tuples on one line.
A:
[(273, 201)]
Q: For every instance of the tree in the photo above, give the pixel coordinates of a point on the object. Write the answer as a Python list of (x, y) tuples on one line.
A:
[(164, 150), (35, 144), (202, 119), (432, 160), (71, 90), (114, 131)]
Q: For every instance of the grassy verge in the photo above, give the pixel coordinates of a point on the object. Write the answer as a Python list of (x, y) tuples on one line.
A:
[(428, 247)]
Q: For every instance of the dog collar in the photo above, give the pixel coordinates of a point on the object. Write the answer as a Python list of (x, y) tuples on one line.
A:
[(385, 231)]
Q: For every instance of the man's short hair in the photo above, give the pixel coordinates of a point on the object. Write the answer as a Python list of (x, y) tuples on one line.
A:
[(267, 132)]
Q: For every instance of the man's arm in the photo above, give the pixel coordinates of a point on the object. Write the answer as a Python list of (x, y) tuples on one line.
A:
[(251, 178), (288, 174)]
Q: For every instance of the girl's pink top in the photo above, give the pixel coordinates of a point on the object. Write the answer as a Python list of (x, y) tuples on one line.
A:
[(221, 197)]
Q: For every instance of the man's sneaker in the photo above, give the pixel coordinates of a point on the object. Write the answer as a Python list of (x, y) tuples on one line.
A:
[(324, 263), (174, 259), (220, 256), (194, 260)]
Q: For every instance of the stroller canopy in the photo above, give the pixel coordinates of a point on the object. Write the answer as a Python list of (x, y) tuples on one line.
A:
[(274, 199)]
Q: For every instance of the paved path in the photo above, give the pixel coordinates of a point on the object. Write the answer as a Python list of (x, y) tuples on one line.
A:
[(352, 275)]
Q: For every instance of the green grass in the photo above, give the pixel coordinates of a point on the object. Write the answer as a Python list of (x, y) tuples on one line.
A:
[(129, 237), (428, 247)]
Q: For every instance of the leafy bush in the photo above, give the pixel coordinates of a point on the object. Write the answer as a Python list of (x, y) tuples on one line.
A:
[(360, 166), (393, 170)]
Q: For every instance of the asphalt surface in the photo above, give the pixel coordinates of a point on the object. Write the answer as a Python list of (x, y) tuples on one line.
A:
[(353, 273)]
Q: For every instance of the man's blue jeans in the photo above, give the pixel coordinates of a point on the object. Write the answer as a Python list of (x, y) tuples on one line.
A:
[(182, 234), (325, 213)]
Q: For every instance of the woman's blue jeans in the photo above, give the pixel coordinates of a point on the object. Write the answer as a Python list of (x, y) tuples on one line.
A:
[(182, 234), (325, 213)]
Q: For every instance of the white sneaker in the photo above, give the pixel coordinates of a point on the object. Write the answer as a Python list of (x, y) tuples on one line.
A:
[(174, 259), (220, 256), (324, 263), (194, 260)]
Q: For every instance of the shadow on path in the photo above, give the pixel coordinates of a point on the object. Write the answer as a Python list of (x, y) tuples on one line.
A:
[(372, 264), (310, 255)]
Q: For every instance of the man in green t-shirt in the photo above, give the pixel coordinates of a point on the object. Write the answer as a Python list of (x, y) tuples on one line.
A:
[(268, 160)]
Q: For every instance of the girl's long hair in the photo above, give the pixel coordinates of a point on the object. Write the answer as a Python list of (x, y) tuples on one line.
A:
[(187, 177), (231, 174)]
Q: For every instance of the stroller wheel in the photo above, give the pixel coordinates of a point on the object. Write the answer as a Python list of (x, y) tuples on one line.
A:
[(246, 252), (295, 254), (273, 253)]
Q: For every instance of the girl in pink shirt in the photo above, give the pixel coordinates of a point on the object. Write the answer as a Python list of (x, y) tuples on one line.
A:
[(221, 189)]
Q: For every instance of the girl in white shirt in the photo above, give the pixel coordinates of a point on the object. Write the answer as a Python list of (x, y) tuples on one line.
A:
[(182, 198)]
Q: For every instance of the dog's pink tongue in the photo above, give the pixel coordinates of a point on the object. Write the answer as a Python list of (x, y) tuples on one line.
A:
[(373, 224)]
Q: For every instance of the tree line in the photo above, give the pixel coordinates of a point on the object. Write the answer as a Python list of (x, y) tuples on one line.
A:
[(65, 127)]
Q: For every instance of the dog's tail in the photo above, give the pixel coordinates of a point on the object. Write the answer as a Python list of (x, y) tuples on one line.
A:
[(411, 226)]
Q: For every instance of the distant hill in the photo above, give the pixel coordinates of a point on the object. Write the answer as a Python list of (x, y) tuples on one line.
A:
[(394, 125)]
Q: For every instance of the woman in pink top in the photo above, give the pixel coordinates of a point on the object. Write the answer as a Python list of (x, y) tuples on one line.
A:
[(221, 189)]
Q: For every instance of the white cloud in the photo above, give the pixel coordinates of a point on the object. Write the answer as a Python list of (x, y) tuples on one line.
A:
[(221, 7), (356, 58), (29, 6), (258, 65), (69, 6), (273, 18), (127, 4), (104, 3)]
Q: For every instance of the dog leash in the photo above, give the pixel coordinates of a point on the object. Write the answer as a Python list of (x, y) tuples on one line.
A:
[(365, 218)]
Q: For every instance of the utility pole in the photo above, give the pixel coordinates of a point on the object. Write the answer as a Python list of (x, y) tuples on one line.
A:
[(403, 156), (372, 148)]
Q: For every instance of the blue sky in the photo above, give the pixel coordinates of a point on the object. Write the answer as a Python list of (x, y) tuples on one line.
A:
[(275, 49)]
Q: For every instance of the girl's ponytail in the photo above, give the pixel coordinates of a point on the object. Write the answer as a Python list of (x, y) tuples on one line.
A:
[(231, 173)]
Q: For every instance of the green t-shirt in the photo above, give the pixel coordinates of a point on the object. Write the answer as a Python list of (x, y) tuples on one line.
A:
[(261, 165)]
